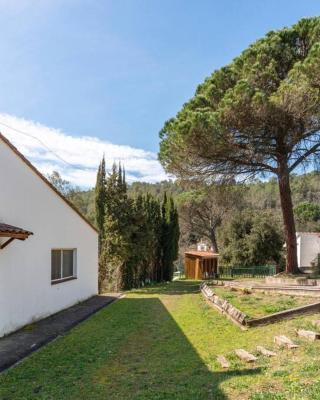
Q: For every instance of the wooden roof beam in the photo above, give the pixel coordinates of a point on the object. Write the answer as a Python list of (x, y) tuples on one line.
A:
[(14, 235), (5, 244)]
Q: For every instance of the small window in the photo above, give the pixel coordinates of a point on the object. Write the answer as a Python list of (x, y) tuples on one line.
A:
[(63, 264)]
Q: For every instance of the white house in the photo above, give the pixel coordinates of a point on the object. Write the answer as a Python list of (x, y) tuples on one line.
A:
[(204, 246), (48, 250), (308, 249)]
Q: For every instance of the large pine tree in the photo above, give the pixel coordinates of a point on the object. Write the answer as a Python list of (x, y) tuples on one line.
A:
[(257, 116)]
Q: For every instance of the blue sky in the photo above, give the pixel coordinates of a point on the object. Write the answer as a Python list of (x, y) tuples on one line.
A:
[(116, 70)]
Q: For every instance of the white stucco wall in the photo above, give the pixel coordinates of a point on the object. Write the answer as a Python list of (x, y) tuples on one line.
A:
[(26, 293), (308, 247)]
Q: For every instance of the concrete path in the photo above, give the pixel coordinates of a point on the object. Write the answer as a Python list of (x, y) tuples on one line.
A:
[(18, 345)]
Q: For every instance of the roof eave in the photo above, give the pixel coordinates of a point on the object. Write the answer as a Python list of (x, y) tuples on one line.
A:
[(45, 180)]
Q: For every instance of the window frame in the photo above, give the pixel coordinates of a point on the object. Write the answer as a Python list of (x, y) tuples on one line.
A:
[(74, 266)]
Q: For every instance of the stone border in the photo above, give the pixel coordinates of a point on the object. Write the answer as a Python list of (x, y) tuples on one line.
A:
[(242, 320), (226, 308), (281, 315)]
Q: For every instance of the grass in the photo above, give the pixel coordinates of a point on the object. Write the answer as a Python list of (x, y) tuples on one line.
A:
[(161, 343), (259, 304)]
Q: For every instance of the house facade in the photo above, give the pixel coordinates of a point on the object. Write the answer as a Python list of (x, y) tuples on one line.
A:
[(48, 250), (308, 250)]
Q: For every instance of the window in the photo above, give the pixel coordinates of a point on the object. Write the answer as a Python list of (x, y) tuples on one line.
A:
[(63, 264)]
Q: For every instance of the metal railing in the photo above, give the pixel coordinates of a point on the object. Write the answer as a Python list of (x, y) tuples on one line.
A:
[(258, 271)]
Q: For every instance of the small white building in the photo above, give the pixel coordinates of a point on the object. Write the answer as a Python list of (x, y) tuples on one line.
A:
[(308, 250), (48, 250), (202, 246)]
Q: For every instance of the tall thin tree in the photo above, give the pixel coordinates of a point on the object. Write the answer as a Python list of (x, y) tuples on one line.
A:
[(100, 201)]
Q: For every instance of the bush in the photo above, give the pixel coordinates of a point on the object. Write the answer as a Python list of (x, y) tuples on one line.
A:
[(249, 239), (308, 212)]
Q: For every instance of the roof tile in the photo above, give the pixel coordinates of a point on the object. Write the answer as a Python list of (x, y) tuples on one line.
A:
[(5, 228)]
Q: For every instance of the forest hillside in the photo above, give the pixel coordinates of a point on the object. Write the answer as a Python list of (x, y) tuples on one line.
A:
[(259, 195)]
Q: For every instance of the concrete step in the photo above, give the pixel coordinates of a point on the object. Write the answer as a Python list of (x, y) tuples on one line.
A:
[(308, 269), (294, 281)]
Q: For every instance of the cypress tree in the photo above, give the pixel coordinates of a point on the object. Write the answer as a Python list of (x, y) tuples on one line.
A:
[(175, 233), (174, 230), (100, 201), (118, 227), (156, 236), (139, 242), (124, 183), (164, 239), (120, 181), (170, 237), (156, 223), (140, 236)]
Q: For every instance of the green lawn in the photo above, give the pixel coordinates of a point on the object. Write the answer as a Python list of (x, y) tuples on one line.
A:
[(162, 343), (258, 304)]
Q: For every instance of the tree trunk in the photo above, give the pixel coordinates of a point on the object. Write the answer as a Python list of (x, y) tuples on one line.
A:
[(214, 240), (288, 218)]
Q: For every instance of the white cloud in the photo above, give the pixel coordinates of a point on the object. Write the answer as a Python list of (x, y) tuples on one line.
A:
[(47, 147)]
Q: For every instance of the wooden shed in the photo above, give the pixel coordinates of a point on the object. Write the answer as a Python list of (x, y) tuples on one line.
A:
[(200, 264)]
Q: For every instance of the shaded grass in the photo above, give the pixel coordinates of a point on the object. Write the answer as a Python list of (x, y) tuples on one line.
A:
[(259, 304), (162, 343)]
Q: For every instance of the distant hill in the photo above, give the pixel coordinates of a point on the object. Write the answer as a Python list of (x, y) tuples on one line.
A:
[(265, 195), (84, 200), (260, 195)]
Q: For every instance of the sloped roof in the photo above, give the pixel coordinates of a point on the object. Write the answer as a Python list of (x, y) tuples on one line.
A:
[(10, 231), (45, 180), (202, 254)]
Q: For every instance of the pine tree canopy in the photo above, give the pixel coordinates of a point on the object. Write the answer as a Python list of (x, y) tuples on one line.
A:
[(248, 116), (260, 114)]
